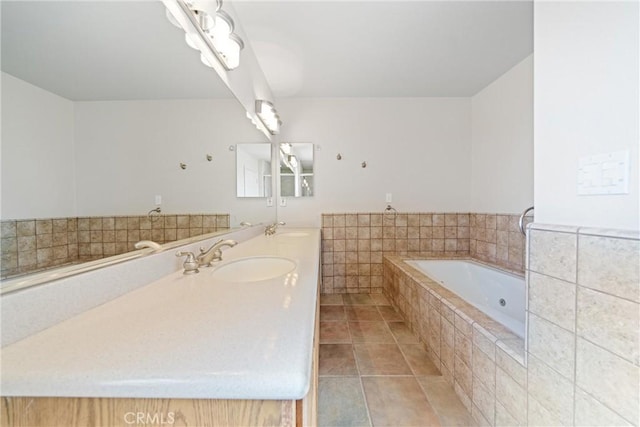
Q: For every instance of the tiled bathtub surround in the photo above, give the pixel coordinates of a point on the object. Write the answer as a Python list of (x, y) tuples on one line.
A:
[(582, 361), (464, 343), (35, 244), (496, 239), (353, 244)]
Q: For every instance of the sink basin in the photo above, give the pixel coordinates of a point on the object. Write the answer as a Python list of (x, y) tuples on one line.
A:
[(293, 234), (254, 269)]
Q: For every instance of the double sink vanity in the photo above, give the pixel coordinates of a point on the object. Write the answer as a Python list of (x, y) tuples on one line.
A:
[(234, 344)]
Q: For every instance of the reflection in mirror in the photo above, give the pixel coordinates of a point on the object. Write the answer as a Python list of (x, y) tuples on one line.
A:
[(98, 112), (253, 170), (296, 169)]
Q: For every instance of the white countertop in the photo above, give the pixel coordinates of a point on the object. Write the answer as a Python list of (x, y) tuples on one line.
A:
[(184, 336)]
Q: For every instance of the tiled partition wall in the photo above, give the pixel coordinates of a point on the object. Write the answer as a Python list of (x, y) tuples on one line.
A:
[(353, 244), (582, 363), (35, 244)]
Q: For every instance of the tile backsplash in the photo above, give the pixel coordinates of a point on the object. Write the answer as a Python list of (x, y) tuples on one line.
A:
[(30, 245), (353, 243)]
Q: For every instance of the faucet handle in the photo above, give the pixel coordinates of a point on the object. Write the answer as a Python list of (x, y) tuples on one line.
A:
[(190, 264)]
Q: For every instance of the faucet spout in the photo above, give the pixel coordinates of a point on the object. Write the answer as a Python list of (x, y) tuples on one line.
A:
[(270, 229), (214, 253), (147, 244)]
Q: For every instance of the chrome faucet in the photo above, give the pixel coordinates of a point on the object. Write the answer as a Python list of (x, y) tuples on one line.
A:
[(214, 253), (270, 229)]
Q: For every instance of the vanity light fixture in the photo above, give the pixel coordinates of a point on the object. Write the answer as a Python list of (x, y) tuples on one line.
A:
[(216, 30), (268, 116)]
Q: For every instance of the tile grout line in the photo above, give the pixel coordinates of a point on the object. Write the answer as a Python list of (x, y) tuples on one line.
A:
[(353, 351)]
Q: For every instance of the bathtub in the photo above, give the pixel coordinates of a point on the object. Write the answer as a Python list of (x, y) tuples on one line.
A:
[(498, 294)]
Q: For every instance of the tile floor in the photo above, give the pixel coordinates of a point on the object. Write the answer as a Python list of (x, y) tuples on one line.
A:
[(375, 372)]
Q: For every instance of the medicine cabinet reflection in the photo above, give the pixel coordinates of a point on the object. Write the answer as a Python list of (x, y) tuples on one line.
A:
[(253, 170), (296, 169)]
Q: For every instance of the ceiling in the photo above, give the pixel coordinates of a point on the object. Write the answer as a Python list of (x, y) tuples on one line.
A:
[(386, 48), (122, 50), (103, 50)]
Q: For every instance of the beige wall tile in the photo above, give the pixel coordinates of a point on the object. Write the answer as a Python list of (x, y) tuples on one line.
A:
[(512, 396), (551, 390), (610, 322), (463, 348), (512, 367), (554, 345), (463, 375), (464, 324), (485, 401), (484, 370), (462, 395), (447, 356), (504, 418), (9, 245), (44, 226), (610, 265), (591, 412), (485, 341), (553, 254), (552, 299), (538, 415), (8, 229), (619, 389)]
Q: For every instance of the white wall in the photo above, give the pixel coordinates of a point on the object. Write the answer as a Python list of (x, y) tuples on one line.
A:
[(417, 149), (129, 151), (37, 152), (586, 102), (502, 143)]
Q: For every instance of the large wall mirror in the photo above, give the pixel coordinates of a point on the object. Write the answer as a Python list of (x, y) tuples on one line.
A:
[(296, 169), (113, 131)]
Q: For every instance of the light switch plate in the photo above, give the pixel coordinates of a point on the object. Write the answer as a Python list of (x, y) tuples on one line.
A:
[(606, 173)]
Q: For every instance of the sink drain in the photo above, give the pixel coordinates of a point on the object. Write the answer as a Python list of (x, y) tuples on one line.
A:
[(502, 302)]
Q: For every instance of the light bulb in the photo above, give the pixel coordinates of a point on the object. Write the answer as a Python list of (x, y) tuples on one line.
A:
[(191, 40), (205, 61)]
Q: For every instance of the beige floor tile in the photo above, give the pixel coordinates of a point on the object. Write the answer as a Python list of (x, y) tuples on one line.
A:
[(370, 332), (334, 332), (419, 360), (380, 299), (337, 359), (332, 312), (341, 402), (445, 402), (362, 312), (380, 359), (402, 333), (389, 313), (331, 299), (358, 299), (398, 401)]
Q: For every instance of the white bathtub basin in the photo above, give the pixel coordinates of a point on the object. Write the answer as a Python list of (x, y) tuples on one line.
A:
[(253, 269)]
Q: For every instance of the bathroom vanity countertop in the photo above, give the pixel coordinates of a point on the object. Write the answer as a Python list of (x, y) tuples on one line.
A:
[(184, 336)]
